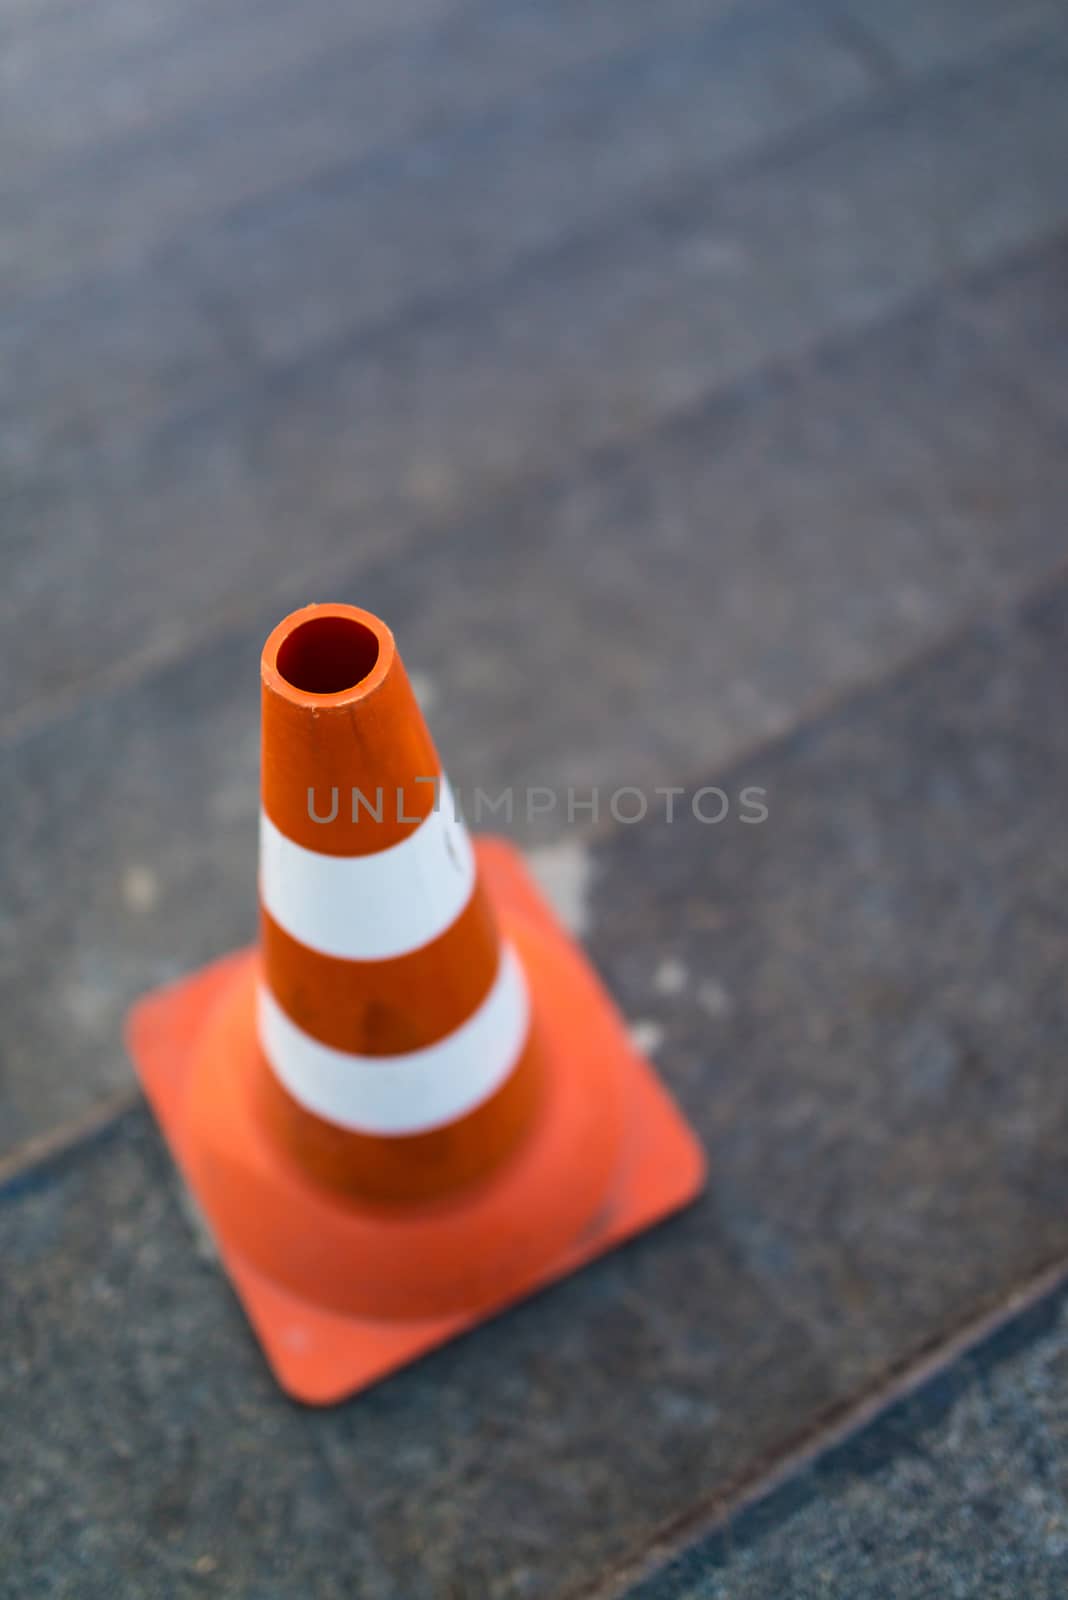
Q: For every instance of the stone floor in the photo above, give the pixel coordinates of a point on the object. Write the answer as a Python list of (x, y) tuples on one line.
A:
[(960, 1489), (692, 399)]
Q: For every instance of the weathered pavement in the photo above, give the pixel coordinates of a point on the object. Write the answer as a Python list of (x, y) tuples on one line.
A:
[(693, 400)]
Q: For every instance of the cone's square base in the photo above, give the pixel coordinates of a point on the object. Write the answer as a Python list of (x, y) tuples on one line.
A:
[(320, 1354)]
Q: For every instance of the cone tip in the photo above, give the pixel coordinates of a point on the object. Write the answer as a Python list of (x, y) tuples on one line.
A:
[(327, 653)]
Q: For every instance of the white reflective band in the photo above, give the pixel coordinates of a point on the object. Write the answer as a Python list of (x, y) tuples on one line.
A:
[(406, 1093), (370, 908)]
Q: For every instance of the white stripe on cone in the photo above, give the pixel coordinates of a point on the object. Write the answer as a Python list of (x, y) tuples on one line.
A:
[(370, 908), (408, 1093)]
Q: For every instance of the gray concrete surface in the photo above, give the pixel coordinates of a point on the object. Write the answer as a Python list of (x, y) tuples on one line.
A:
[(143, 426), (691, 394), (962, 1489), (863, 1014), (659, 608)]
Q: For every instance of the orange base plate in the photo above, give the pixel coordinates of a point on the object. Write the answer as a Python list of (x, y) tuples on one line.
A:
[(320, 1355)]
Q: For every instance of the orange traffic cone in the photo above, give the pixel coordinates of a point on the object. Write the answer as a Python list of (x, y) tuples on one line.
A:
[(414, 1103)]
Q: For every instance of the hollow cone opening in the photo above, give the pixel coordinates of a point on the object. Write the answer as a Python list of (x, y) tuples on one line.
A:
[(327, 655)]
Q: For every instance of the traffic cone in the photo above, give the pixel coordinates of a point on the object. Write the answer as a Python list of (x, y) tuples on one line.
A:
[(414, 1103)]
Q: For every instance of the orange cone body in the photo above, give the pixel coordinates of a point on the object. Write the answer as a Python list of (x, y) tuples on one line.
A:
[(395, 1024), (414, 1102)]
